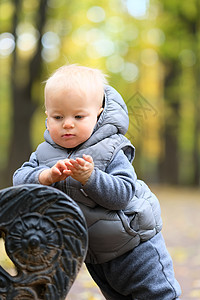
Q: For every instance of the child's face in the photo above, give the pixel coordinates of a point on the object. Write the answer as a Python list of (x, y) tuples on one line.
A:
[(71, 116)]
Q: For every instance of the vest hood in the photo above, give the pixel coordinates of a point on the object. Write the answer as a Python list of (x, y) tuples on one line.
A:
[(115, 113)]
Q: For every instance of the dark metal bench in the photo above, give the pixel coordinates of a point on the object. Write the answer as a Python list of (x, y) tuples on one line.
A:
[(45, 237)]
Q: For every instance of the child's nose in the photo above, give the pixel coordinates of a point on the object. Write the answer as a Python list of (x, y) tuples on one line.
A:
[(68, 123)]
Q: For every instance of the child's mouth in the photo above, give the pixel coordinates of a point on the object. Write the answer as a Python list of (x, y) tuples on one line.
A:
[(68, 135)]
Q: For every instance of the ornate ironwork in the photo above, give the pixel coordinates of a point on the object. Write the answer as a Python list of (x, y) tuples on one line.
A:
[(46, 238)]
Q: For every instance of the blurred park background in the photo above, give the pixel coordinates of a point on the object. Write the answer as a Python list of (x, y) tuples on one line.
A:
[(150, 50)]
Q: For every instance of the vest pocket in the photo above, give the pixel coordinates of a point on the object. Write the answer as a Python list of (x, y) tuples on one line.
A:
[(130, 222), (138, 218)]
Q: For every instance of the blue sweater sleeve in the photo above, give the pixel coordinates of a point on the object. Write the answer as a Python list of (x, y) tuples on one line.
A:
[(115, 187), (29, 171)]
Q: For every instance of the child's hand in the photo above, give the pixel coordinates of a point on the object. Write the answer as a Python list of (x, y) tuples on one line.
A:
[(57, 173), (80, 168)]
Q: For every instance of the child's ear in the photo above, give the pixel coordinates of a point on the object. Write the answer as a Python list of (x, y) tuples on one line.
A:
[(46, 122), (100, 111)]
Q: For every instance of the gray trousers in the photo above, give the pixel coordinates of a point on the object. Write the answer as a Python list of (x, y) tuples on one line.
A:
[(145, 273)]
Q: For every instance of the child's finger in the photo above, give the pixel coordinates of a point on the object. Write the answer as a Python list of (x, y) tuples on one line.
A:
[(67, 172), (60, 165), (74, 163), (55, 171), (80, 161), (67, 163), (88, 158), (69, 166)]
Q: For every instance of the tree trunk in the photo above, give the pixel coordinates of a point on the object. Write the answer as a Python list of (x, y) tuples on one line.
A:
[(23, 104), (196, 152), (169, 163)]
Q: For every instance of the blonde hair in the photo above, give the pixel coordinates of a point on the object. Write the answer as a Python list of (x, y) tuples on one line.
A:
[(77, 77)]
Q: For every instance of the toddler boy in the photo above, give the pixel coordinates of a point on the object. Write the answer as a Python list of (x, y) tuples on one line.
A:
[(86, 155)]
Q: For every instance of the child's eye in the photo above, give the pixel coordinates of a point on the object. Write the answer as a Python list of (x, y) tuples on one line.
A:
[(78, 117), (57, 117)]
